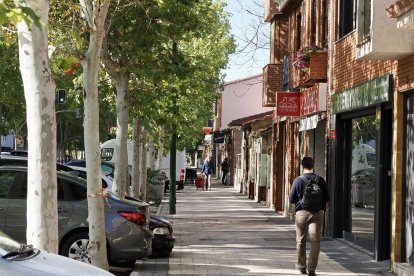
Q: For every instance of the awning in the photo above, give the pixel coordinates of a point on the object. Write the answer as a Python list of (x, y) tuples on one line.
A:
[(309, 122)]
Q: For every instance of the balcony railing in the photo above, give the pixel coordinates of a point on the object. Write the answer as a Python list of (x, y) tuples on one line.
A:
[(272, 82)]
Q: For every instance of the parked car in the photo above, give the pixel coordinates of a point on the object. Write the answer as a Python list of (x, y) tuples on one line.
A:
[(363, 188), (163, 240), (106, 167), (126, 222), (18, 160), (20, 260)]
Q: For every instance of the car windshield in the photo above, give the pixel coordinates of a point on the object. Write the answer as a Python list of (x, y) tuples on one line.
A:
[(7, 245)]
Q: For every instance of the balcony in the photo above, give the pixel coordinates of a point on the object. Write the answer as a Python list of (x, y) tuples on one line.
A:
[(315, 73), (271, 8), (378, 37), (272, 82)]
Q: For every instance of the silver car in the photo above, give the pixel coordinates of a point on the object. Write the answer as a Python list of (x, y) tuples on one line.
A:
[(126, 222), (20, 260)]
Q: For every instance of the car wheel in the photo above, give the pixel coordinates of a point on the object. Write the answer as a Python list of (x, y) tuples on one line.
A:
[(76, 247)]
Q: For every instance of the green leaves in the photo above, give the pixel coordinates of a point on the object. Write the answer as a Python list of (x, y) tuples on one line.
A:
[(16, 15)]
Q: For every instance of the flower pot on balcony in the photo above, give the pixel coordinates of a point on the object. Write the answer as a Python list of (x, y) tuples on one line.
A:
[(317, 71)]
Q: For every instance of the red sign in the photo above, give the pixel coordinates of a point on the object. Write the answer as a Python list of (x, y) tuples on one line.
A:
[(313, 99), (288, 104)]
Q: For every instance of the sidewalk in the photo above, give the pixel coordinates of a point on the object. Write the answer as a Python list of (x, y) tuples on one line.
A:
[(221, 232)]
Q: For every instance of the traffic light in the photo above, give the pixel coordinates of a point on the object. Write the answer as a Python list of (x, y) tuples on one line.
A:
[(61, 96)]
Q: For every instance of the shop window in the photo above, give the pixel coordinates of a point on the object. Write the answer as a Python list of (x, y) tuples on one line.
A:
[(346, 17)]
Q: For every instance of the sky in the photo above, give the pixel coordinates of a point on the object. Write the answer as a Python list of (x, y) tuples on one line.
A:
[(242, 65)]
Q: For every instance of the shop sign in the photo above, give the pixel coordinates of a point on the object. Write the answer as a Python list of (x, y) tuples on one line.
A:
[(288, 104), (367, 94), (313, 99)]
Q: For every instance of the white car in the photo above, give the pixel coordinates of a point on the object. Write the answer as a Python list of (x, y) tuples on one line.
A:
[(19, 259)]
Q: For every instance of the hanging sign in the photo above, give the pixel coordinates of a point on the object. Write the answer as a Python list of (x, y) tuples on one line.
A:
[(288, 104)]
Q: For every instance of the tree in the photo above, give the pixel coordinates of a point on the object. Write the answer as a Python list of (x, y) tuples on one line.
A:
[(94, 14), (79, 33), (39, 87)]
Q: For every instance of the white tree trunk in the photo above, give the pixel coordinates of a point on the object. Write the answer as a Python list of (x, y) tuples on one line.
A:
[(136, 169), (160, 153), (121, 153), (39, 91), (95, 14), (144, 164), (150, 152)]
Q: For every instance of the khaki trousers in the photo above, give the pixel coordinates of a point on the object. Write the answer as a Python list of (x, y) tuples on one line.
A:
[(312, 223)]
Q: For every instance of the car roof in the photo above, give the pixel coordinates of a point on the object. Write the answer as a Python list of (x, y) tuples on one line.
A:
[(6, 160)]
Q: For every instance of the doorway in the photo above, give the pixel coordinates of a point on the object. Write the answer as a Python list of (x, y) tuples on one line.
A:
[(363, 180)]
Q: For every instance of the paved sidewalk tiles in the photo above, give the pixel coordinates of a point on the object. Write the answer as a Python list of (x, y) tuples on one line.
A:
[(222, 232)]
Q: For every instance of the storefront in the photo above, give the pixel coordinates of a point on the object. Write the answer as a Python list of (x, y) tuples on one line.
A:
[(361, 182)]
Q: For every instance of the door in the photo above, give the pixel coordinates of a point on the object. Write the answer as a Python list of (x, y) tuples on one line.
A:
[(362, 182), (16, 221), (6, 180)]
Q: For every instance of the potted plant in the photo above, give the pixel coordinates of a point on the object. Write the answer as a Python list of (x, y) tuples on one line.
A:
[(302, 59), (312, 63)]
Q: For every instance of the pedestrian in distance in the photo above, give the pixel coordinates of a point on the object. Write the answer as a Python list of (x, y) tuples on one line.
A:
[(225, 170), (208, 170), (310, 194)]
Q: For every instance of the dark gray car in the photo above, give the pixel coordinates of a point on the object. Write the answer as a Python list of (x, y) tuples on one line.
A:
[(126, 222)]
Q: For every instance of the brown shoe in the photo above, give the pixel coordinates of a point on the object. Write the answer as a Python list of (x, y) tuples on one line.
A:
[(302, 270), (311, 273)]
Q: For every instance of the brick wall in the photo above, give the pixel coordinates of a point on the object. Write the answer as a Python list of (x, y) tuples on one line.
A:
[(405, 74), (348, 72)]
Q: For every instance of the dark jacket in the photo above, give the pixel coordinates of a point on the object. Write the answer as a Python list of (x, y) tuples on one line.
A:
[(225, 166), (208, 168), (298, 188)]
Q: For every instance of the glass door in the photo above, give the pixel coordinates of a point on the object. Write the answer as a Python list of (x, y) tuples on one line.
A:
[(362, 182)]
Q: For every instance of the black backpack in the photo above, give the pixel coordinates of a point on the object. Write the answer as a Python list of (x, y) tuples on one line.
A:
[(312, 199)]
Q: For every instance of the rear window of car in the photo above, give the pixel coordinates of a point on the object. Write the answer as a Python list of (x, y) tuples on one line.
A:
[(69, 191)]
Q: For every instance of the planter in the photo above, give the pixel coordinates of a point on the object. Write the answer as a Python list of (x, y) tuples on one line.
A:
[(318, 66)]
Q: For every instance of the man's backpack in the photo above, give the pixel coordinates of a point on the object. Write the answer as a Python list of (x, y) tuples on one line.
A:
[(312, 199)]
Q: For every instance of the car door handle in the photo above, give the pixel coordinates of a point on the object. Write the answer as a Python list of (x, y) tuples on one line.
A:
[(61, 210)]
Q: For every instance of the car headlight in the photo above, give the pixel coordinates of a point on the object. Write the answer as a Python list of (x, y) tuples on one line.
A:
[(161, 231)]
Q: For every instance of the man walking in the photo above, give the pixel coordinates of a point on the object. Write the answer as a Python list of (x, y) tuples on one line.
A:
[(225, 170), (310, 194)]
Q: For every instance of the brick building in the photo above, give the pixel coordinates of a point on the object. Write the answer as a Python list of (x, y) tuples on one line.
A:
[(354, 115)]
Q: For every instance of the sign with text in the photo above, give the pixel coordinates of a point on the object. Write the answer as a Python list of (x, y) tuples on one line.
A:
[(288, 104)]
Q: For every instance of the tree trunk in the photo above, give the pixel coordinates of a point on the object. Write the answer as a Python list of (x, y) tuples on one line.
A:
[(160, 153), (144, 165), (95, 15), (39, 91), (121, 152), (136, 166)]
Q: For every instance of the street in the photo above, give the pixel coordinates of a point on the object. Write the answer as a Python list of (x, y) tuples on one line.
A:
[(222, 232)]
